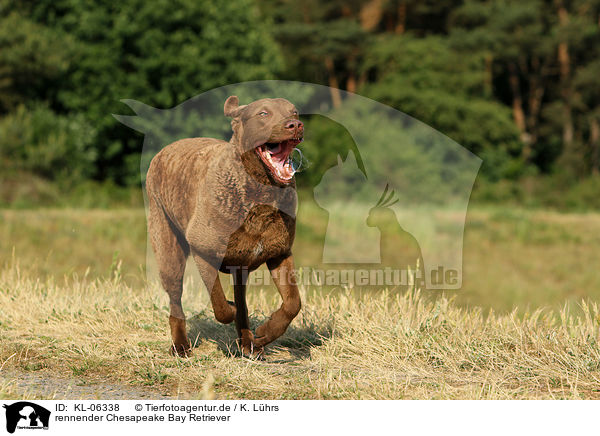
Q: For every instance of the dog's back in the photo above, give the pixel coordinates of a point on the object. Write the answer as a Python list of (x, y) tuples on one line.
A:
[(177, 173)]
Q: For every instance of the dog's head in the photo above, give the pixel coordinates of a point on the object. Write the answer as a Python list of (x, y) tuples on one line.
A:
[(270, 129)]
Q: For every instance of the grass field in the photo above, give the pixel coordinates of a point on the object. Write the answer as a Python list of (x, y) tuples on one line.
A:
[(75, 308)]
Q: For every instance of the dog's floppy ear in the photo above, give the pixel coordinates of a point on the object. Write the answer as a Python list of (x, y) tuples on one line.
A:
[(232, 108)]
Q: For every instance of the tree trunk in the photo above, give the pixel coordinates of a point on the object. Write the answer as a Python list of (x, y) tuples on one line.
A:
[(564, 63), (536, 94), (370, 15), (517, 99), (362, 79), (351, 70), (336, 97), (401, 25), (488, 84), (595, 144), (351, 82)]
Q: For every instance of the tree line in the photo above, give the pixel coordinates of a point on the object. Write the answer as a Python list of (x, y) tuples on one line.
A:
[(516, 82)]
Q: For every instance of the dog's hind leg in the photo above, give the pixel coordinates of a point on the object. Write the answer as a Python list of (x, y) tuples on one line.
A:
[(284, 277), (171, 251), (224, 310)]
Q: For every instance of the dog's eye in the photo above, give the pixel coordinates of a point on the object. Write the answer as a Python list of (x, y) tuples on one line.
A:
[(295, 113), (263, 113)]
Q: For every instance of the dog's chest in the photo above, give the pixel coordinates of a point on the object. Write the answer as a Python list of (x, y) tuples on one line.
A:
[(265, 234)]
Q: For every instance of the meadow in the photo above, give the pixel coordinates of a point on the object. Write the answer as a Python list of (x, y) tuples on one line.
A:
[(77, 313)]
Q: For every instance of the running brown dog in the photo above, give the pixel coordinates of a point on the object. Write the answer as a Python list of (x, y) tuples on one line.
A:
[(231, 205)]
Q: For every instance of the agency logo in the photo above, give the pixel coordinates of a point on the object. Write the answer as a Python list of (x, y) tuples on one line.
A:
[(27, 416)]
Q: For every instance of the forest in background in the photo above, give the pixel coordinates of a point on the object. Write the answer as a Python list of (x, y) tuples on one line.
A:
[(515, 82)]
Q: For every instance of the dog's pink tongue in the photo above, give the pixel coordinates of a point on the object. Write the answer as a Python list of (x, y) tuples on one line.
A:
[(278, 158)]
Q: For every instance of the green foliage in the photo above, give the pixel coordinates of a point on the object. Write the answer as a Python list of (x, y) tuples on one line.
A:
[(30, 62), (553, 92), (507, 28), (423, 78), (317, 36), (55, 147), (486, 73), (160, 53), (556, 192)]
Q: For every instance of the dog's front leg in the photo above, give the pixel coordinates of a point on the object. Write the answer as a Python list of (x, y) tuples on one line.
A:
[(242, 324), (284, 276)]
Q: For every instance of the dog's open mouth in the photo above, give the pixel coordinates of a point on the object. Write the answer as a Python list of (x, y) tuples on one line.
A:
[(276, 156)]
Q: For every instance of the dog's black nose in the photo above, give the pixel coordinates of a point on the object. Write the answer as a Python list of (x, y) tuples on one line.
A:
[(294, 124)]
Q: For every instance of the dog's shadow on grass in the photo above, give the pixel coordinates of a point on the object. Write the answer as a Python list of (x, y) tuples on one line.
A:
[(297, 341)]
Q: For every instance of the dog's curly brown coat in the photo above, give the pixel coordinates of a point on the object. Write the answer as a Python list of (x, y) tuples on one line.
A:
[(232, 210)]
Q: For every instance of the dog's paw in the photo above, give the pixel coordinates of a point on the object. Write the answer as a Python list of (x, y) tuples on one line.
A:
[(253, 353), (248, 348), (181, 350), (257, 353)]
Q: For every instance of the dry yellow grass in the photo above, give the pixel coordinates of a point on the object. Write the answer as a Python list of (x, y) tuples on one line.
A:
[(512, 258), (383, 345)]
